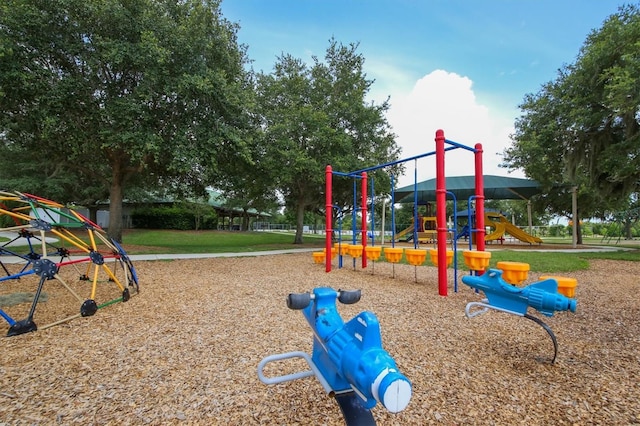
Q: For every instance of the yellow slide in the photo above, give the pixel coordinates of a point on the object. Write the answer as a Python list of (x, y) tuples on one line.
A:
[(404, 232), (503, 226), (498, 231)]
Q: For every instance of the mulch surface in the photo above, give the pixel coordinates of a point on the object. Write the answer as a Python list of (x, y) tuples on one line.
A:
[(185, 350)]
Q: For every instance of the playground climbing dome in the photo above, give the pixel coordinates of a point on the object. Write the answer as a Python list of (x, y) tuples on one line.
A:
[(56, 265)]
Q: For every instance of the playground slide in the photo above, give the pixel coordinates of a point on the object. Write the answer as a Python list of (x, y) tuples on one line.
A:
[(497, 233), (503, 226), (518, 233), (404, 232)]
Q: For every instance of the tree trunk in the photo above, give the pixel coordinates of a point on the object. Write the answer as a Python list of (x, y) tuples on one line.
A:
[(245, 221), (115, 211), (299, 223), (576, 221), (579, 234), (627, 228)]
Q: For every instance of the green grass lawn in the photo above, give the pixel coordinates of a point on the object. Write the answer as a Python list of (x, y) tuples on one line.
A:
[(166, 241), (141, 241), (594, 240)]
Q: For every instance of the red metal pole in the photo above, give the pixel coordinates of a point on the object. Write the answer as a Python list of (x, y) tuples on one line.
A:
[(328, 217), (479, 199), (364, 219), (441, 213)]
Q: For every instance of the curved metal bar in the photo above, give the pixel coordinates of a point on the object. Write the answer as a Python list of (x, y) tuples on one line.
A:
[(287, 377), (485, 307), (549, 332)]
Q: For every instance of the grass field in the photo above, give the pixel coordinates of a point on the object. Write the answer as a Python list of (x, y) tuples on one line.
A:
[(152, 241), (140, 241)]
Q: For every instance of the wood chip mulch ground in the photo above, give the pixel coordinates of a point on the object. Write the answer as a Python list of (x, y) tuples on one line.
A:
[(185, 351)]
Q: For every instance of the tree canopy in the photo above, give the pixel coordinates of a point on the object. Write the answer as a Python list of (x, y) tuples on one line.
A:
[(583, 129), (115, 94), (315, 115)]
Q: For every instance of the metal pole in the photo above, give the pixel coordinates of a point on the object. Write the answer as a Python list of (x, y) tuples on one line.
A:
[(364, 219), (328, 217), (479, 198), (441, 214)]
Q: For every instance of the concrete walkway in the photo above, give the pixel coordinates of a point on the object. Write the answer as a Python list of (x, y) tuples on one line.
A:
[(209, 255), (141, 257)]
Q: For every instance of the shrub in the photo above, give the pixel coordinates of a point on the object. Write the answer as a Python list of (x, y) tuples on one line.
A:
[(174, 217), (556, 230)]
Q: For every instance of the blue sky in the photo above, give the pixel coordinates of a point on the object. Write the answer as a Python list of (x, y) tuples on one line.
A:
[(463, 66)]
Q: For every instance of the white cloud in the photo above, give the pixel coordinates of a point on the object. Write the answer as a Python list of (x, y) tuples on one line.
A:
[(444, 100)]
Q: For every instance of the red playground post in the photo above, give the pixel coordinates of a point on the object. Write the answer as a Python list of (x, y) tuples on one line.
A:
[(441, 205), (479, 199), (441, 214)]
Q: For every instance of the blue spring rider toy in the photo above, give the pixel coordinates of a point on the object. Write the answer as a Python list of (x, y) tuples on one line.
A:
[(348, 359), (543, 296)]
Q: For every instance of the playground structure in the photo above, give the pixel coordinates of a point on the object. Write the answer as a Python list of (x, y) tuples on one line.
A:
[(441, 230), (347, 358), (501, 295), (426, 232), (49, 243)]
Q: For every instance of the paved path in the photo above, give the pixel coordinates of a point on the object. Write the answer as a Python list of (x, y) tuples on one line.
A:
[(143, 257), (208, 255), (15, 240), (140, 257)]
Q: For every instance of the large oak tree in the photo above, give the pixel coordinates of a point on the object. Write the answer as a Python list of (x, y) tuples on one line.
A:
[(317, 114), (583, 129), (115, 93)]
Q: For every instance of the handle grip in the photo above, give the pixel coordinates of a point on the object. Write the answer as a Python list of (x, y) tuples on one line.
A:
[(349, 297), (298, 300)]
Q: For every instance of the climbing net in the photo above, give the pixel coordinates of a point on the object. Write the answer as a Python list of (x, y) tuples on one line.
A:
[(52, 260)]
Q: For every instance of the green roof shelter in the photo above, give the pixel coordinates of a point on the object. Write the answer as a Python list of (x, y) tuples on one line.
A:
[(463, 187)]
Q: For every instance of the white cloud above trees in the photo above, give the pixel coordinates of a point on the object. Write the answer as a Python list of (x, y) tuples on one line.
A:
[(446, 100)]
